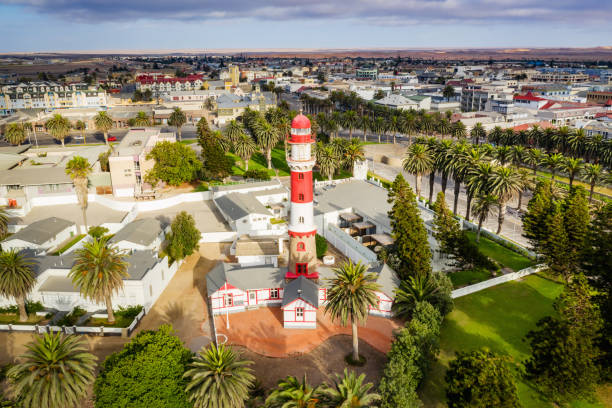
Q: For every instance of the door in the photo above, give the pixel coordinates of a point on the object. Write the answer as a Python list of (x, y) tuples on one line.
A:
[(252, 298)]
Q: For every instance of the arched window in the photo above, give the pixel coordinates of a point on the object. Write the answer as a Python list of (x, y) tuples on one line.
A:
[(301, 220), (301, 197), (301, 246)]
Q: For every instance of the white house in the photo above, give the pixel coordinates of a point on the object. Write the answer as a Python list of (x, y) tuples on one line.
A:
[(243, 213), (41, 236), (388, 282), (300, 304), (251, 251), (139, 235)]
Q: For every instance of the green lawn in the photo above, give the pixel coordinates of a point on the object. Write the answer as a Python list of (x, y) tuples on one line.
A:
[(69, 244), (469, 277), (258, 161), (13, 318), (497, 318), (120, 321), (502, 255), (342, 174)]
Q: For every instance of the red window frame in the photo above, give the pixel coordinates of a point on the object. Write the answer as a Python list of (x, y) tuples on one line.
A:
[(226, 297), (274, 293), (301, 268), (301, 247), (299, 314)]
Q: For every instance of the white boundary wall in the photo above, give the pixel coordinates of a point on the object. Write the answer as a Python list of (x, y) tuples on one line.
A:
[(348, 246), (495, 281)]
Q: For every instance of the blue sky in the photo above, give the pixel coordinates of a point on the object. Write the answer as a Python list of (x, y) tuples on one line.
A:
[(78, 25)]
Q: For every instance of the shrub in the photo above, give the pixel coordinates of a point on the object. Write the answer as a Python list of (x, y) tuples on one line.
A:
[(97, 232), (71, 318), (33, 307), (258, 174), (321, 244), (9, 309), (129, 312), (184, 238)]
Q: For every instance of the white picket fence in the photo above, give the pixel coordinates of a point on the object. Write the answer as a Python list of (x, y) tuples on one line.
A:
[(495, 281)]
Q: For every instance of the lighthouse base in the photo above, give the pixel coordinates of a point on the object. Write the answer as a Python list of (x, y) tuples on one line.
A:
[(302, 256)]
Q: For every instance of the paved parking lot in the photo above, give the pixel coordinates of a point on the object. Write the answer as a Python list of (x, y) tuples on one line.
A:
[(206, 215)]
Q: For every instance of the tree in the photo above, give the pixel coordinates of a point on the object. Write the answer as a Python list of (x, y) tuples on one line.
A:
[(81, 126), (291, 393), (350, 121), (146, 373), (267, 137), (418, 161), (184, 236), (350, 295), (556, 244), (505, 184), (175, 163), (415, 289), (16, 279), (448, 92), (4, 221), (141, 119), (553, 162), (103, 123), (218, 378), (327, 159), (244, 146), (59, 127), (478, 132), (592, 174), (350, 391), (446, 228), (353, 151), (480, 378), (534, 157), (98, 271), (55, 372), (483, 207), (15, 134), (216, 165), (177, 119), (202, 129), (573, 167), (525, 184), (78, 168), (411, 246), (539, 208), (233, 131), (576, 223)]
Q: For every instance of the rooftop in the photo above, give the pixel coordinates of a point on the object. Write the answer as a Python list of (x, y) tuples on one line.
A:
[(142, 231), (41, 231), (256, 277), (239, 205), (301, 288)]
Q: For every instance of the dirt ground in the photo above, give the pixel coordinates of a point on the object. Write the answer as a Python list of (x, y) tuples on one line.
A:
[(319, 365)]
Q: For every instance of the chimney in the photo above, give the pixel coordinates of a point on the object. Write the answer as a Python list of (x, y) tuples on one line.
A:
[(299, 292)]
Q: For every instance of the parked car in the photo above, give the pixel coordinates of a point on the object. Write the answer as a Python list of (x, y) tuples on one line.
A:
[(112, 139)]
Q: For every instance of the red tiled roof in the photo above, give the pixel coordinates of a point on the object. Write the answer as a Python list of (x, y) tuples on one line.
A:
[(526, 126), (148, 79), (528, 97)]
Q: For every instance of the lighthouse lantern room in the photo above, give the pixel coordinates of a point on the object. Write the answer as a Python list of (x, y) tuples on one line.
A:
[(302, 230)]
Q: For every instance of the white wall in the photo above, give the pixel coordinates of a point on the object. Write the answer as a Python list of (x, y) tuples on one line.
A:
[(218, 307), (384, 306), (309, 320), (60, 238)]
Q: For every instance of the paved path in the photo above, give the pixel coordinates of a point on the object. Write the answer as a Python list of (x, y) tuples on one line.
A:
[(262, 331)]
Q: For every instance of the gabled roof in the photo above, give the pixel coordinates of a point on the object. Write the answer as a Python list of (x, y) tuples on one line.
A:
[(254, 277), (239, 205), (301, 288), (41, 231), (35, 175), (142, 232), (528, 97), (139, 263), (387, 279)]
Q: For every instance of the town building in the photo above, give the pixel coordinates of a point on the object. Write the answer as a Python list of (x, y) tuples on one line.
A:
[(366, 73), (41, 236), (560, 77), (230, 106), (599, 97), (163, 84)]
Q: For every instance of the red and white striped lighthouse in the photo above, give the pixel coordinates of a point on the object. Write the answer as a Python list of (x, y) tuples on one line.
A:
[(302, 230)]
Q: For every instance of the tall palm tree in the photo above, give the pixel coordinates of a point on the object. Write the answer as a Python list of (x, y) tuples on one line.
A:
[(267, 137), (573, 166), (177, 119), (55, 372), (15, 134), (142, 119), (483, 207), (98, 271), (351, 294), (16, 279), (418, 288), (350, 121), (517, 155), (327, 159), (593, 173), (291, 393), (364, 125), (349, 391), (233, 131), (218, 378), (104, 124), (534, 159), (503, 154), (353, 151), (81, 126), (245, 146), (459, 130), (409, 125), (457, 166), (553, 162), (505, 184), (394, 125), (379, 127), (443, 157), (418, 161), (59, 127), (78, 168), (495, 135), (478, 132), (4, 221), (576, 141)]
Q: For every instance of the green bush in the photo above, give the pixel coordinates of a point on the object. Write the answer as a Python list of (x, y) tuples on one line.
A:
[(71, 318), (129, 312), (9, 309), (321, 244), (258, 174), (33, 307), (98, 231)]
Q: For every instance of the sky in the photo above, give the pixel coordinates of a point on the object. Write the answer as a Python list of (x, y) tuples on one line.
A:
[(96, 25)]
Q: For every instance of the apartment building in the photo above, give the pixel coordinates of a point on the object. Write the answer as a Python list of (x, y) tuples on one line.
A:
[(599, 97), (475, 97), (129, 164), (169, 84), (49, 95), (559, 77)]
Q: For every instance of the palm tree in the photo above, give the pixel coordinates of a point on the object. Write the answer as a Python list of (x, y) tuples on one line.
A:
[(483, 207), (177, 119), (142, 119), (572, 166), (15, 134), (59, 127), (495, 135), (353, 151), (409, 125), (267, 137), (505, 183), (418, 161), (291, 393), (534, 159), (443, 157), (218, 378), (576, 141), (351, 294), (592, 174), (327, 160), (55, 372), (517, 155), (526, 184), (459, 130), (394, 125), (364, 125), (503, 154), (553, 162), (457, 165), (80, 126), (16, 279), (418, 288), (98, 271), (233, 131), (349, 391), (478, 132), (4, 220), (245, 146), (350, 121), (103, 123), (78, 168), (378, 126)]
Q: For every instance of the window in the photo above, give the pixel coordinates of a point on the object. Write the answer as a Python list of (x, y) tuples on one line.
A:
[(300, 220), (301, 247), (274, 293), (301, 268), (300, 176), (228, 300), (151, 290), (301, 197), (299, 313)]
